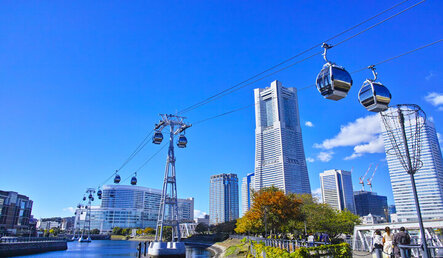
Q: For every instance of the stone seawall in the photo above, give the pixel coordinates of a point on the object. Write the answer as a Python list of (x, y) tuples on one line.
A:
[(24, 248)]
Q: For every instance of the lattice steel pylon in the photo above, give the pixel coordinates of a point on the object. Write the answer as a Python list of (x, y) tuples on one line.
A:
[(168, 212), (86, 233), (403, 124)]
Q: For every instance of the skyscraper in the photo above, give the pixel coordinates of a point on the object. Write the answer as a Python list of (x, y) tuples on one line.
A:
[(336, 189), (370, 202), (428, 179), (246, 193), (15, 213), (223, 198), (279, 154)]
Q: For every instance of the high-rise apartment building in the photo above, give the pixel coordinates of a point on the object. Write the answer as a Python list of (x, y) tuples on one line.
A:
[(246, 192), (279, 153), (223, 198), (370, 203), (15, 212), (129, 206), (186, 209), (336, 189), (428, 179)]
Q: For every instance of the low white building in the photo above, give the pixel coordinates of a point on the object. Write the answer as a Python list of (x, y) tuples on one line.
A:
[(47, 224), (372, 219)]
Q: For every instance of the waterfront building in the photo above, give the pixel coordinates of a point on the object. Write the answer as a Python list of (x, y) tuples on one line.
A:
[(15, 213), (336, 189), (204, 220), (279, 153), (67, 223), (47, 224), (186, 209), (223, 198), (428, 179), (246, 192), (127, 206), (370, 203)]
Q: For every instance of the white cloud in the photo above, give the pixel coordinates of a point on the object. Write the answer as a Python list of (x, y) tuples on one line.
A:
[(325, 156), (309, 159), (364, 134), (362, 130), (309, 124), (439, 138), (69, 209), (430, 75), (374, 146), (317, 194), (436, 99), (199, 214)]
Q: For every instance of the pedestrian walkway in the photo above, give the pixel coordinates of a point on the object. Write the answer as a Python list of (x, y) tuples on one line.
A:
[(362, 254)]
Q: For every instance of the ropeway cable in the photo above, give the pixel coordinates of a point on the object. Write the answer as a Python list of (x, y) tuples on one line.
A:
[(313, 85), (238, 86)]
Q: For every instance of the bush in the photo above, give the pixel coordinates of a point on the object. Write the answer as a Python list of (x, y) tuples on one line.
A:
[(342, 250)]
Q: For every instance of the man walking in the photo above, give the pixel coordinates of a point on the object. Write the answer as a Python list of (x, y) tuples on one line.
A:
[(401, 238)]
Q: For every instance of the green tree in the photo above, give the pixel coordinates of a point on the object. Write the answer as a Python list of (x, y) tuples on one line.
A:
[(126, 231), (149, 230), (201, 228), (139, 231), (271, 210), (167, 233), (95, 231), (117, 231), (320, 217)]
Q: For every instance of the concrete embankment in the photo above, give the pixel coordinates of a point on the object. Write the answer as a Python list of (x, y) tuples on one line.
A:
[(25, 248)]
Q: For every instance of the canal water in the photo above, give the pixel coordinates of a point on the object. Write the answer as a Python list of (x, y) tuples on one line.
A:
[(111, 248)]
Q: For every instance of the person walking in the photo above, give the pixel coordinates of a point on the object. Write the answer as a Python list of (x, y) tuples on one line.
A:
[(388, 238), (401, 238), (377, 244)]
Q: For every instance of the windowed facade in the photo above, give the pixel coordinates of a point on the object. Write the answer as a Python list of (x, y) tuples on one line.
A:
[(129, 206), (15, 213), (337, 191), (428, 179), (223, 198), (279, 153)]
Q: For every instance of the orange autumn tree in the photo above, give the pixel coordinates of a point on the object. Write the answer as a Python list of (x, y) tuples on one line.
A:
[(271, 211)]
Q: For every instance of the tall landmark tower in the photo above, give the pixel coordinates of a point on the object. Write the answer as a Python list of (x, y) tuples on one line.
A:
[(279, 153)]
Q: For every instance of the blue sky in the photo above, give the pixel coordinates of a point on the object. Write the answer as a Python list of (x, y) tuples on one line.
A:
[(82, 82)]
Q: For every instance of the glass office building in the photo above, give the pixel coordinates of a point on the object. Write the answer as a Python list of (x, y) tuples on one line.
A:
[(223, 198), (370, 203), (15, 213), (128, 206), (246, 192), (336, 189), (279, 153), (428, 179)]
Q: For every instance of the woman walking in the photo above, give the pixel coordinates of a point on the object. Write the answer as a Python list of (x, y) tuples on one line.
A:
[(388, 237), (377, 244)]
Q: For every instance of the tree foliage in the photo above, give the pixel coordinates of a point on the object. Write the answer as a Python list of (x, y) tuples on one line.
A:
[(274, 211), (201, 227), (271, 209), (95, 231), (149, 230)]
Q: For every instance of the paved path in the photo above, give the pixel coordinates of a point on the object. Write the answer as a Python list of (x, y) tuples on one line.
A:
[(361, 254)]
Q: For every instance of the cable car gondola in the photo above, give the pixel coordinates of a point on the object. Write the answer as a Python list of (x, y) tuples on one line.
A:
[(157, 138), (182, 141), (84, 198), (134, 180), (333, 81), (117, 179), (373, 95), (99, 193)]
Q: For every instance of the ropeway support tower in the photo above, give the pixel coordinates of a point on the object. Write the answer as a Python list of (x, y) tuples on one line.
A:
[(168, 212)]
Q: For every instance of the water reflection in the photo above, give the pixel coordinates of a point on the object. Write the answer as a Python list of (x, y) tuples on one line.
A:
[(109, 248)]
